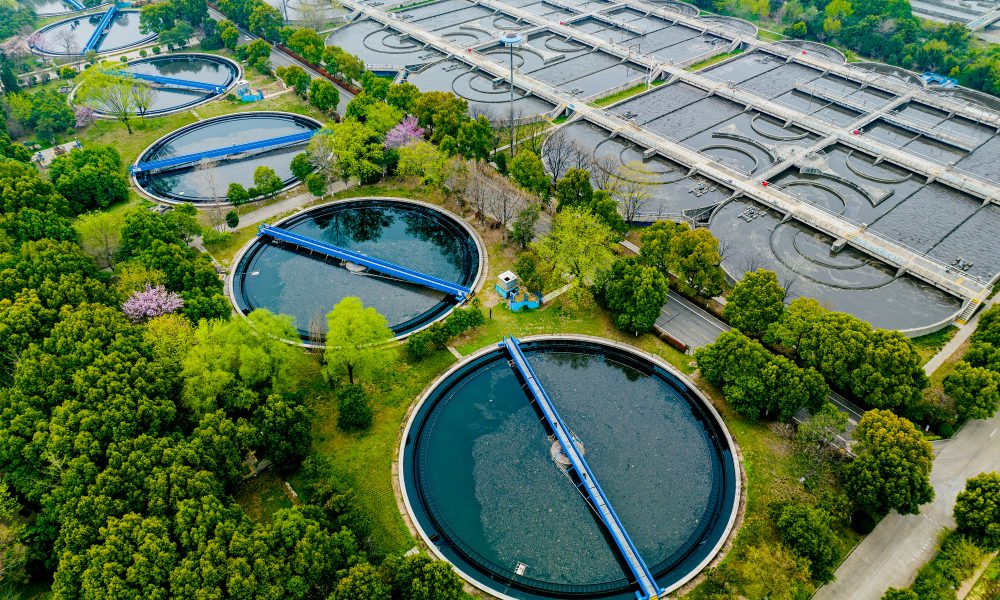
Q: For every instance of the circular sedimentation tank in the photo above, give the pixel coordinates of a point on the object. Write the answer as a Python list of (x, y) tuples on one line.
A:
[(49, 8), (69, 36), (202, 68), (486, 491), (419, 236), (208, 180)]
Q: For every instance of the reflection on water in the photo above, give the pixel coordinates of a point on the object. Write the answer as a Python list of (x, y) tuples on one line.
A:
[(486, 472), (288, 281)]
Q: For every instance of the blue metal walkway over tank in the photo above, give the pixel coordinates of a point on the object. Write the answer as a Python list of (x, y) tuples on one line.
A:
[(375, 264), (186, 159), (95, 38), (598, 501), (171, 81), (75, 4)]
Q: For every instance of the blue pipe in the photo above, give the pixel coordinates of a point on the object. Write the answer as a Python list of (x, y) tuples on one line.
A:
[(598, 500), (177, 161), (376, 264), (95, 38)]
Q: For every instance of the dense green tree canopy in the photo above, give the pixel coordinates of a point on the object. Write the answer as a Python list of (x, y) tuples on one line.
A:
[(893, 465), (355, 339), (634, 293), (755, 302), (809, 532), (975, 390), (90, 178), (977, 509)]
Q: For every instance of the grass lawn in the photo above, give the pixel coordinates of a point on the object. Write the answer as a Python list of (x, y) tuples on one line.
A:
[(988, 586), (773, 469), (715, 59), (619, 96), (364, 461), (929, 345)]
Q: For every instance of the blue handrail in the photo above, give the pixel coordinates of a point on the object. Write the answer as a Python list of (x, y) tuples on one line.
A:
[(198, 85), (598, 500), (95, 37), (376, 264), (185, 159)]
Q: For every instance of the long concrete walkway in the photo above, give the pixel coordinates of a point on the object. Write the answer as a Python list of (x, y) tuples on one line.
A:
[(889, 251)]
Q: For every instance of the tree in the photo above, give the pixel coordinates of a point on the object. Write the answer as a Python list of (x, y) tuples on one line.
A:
[(134, 558), (422, 159), (574, 190), (111, 94), (354, 413), (177, 36), (294, 77), (631, 184), (151, 302), (891, 374), (285, 426), (355, 339), (892, 593), (229, 34), (975, 390), (403, 96), (475, 139), (265, 21), (237, 194), (578, 246), (695, 258), (362, 582), (442, 113), (266, 181), (301, 166), (893, 465), (821, 430), (323, 95), (232, 219), (405, 132), (523, 230), (768, 572), (755, 302), (527, 270), (238, 363), (529, 172), (797, 319), (12, 554), (655, 240), (809, 531), (634, 293), (977, 509), (418, 577), (100, 236), (355, 150), (90, 178), (316, 184), (308, 44)]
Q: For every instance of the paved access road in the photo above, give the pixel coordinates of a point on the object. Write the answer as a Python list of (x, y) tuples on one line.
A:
[(688, 322), (891, 555)]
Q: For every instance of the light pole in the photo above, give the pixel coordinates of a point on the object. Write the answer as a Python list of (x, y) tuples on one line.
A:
[(511, 39)]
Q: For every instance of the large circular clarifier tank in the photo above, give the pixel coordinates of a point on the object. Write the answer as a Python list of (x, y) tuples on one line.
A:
[(68, 37), (416, 235), (208, 180), (484, 487), (201, 68)]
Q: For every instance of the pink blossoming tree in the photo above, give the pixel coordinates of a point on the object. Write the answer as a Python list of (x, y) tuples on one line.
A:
[(151, 302), (403, 133)]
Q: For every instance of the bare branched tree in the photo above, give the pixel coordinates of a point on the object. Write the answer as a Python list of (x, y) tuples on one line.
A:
[(602, 171), (631, 184), (558, 154), (65, 40), (504, 204)]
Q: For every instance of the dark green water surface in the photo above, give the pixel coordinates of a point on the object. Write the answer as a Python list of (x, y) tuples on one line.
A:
[(481, 467)]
